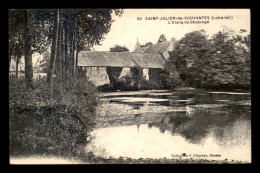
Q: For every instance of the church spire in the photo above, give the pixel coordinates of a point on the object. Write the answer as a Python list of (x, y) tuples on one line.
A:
[(137, 46)]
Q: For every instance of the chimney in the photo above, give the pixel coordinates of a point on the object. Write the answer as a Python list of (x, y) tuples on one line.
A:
[(149, 44), (173, 40)]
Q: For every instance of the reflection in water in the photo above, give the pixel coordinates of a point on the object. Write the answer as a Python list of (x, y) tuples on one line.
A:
[(195, 128), (226, 133)]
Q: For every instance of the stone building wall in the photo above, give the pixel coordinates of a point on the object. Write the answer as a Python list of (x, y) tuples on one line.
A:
[(97, 75), (125, 72), (146, 73), (166, 53)]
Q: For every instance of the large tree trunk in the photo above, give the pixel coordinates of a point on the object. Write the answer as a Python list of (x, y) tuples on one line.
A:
[(10, 58), (27, 52), (53, 49), (63, 53), (77, 54), (73, 58), (62, 46), (66, 61), (10, 49), (72, 47), (53, 52), (58, 58), (77, 49)]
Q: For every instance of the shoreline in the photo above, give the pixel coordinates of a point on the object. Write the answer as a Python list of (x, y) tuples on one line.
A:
[(121, 160)]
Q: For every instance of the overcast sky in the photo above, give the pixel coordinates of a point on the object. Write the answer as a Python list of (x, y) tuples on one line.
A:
[(126, 29)]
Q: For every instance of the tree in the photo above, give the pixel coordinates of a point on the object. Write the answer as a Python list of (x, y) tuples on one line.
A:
[(44, 63), (190, 57), (53, 50), (231, 63), (68, 31), (162, 38), (30, 30), (220, 62), (148, 44), (15, 38), (76, 30), (27, 50), (17, 51), (118, 48)]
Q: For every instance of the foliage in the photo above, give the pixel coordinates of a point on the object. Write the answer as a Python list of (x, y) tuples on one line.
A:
[(69, 30), (15, 33), (122, 84), (44, 130), (94, 23), (118, 48), (135, 82), (165, 81), (222, 61), (125, 83), (106, 88), (40, 30), (53, 114), (162, 38), (40, 125), (149, 85), (45, 62), (28, 33)]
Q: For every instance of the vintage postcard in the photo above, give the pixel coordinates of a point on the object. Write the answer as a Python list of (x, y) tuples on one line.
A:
[(129, 86)]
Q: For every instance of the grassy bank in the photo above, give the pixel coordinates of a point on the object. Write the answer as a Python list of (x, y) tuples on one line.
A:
[(44, 125)]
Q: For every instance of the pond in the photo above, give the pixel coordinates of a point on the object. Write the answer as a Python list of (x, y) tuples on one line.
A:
[(186, 123)]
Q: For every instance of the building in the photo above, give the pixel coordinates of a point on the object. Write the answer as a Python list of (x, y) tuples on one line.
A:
[(103, 67), (162, 48), (37, 70), (12, 70), (147, 61)]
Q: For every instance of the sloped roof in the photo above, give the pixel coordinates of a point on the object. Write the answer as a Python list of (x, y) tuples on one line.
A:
[(119, 59), (139, 48), (109, 59), (158, 48), (145, 60)]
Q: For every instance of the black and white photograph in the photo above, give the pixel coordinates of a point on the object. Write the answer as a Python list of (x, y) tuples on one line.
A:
[(129, 86)]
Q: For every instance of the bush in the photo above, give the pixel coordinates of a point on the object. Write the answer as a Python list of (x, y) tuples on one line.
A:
[(145, 84), (164, 80), (125, 83), (45, 130), (170, 79), (39, 124), (106, 88), (149, 85), (17, 91), (120, 85)]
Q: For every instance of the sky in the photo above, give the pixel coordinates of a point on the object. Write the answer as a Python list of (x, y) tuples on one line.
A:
[(126, 29)]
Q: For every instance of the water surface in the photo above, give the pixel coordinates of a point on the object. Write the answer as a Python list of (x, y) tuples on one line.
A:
[(186, 123)]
